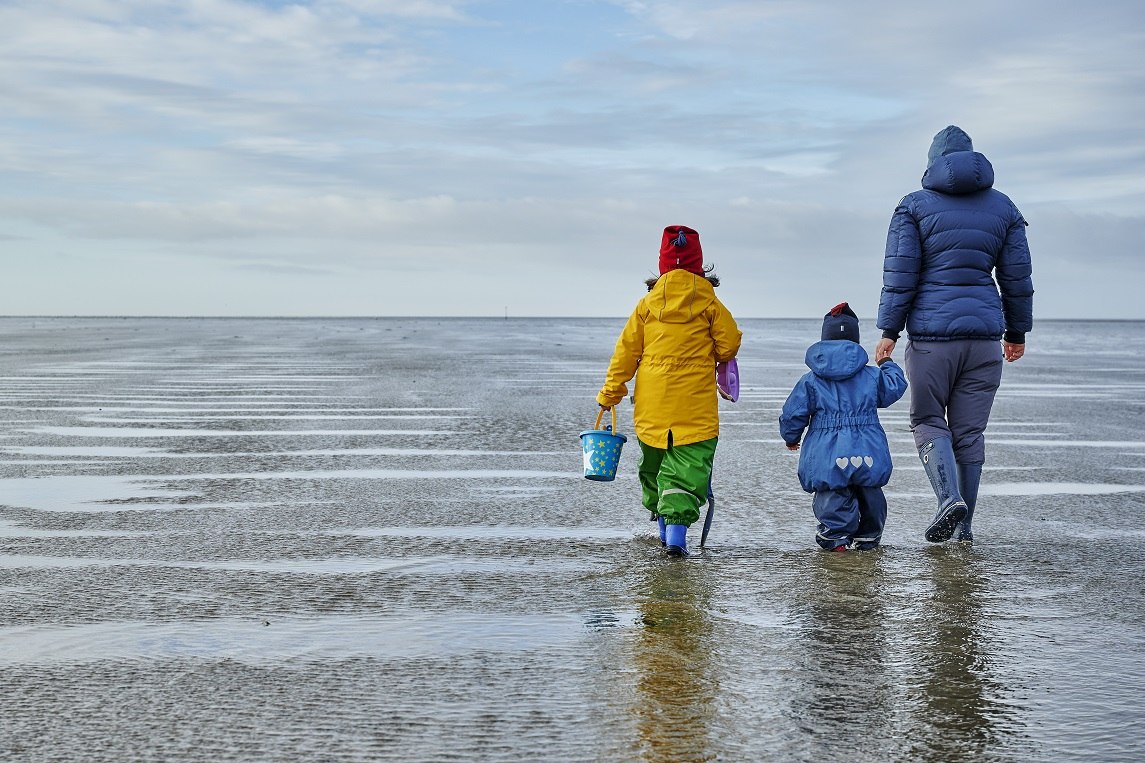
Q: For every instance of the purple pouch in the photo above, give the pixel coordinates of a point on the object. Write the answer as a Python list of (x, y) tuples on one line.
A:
[(727, 379)]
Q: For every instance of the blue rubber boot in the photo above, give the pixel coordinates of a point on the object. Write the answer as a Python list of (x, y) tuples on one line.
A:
[(938, 461), (969, 478), (660, 521), (676, 538)]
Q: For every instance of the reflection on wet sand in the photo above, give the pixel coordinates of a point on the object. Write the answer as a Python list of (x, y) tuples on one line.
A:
[(960, 703), (845, 688), (676, 689)]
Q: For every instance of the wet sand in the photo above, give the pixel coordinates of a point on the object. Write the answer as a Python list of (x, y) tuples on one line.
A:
[(352, 540)]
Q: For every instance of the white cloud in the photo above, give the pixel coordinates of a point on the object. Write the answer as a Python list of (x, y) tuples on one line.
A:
[(462, 143)]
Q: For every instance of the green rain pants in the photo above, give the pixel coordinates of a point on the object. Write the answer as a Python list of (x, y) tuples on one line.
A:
[(674, 482)]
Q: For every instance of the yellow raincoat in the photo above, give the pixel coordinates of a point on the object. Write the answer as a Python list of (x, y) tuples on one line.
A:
[(675, 337)]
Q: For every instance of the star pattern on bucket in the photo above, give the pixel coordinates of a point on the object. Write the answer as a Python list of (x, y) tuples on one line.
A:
[(602, 454)]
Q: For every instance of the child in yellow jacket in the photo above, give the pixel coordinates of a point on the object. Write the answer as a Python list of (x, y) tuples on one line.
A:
[(675, 337)]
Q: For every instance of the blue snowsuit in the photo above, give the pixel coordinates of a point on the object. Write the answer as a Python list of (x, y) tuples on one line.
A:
[(845, 460)]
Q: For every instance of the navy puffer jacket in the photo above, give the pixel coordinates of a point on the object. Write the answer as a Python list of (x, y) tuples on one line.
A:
[(946, 246), (837, 404)]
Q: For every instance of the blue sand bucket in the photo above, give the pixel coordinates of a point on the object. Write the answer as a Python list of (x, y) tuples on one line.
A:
[(602, 450)]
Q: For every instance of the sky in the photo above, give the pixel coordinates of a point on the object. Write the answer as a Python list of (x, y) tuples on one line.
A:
[(521, 157)]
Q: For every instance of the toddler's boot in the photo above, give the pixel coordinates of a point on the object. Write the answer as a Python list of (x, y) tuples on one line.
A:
[(938, 461), (676, 539), (969, 478), (663, 540)]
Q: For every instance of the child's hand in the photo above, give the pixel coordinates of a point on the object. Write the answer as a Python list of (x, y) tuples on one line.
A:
[(793, 446)]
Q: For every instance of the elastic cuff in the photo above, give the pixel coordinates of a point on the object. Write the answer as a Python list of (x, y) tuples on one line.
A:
[(891, 335), (880, 362), (1015, 337)]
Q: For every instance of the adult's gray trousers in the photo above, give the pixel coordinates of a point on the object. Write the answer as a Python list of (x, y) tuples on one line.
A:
[(952, 388)]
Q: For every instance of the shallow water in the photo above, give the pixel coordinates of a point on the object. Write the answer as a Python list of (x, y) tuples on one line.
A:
[(352, 540)]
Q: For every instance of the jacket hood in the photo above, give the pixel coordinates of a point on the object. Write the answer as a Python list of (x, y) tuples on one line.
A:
[(678, 296), (948, 140), (958, 173), (835, 359)]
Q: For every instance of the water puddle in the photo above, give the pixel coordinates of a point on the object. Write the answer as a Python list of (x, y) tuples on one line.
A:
[(272, 639), (86, 493), (142, 432), (485, 532)]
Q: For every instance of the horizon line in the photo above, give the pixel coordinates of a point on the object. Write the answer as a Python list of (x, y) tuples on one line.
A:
[(205, 316)]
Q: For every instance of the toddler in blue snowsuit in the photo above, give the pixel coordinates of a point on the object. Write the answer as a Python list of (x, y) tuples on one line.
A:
[(845, 460)]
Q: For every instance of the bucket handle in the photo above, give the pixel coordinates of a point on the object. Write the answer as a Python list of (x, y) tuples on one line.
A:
[(600, 416)]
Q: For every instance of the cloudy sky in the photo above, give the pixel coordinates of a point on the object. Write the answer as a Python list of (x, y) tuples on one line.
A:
[(473, 157)]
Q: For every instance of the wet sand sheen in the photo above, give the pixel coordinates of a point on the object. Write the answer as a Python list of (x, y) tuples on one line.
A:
[(412, 593)]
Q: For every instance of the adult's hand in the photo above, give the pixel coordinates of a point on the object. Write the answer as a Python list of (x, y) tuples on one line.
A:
[(884, 349), (1013, 351)]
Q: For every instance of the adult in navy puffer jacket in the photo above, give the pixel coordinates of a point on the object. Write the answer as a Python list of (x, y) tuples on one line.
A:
[(956, 276), (845, 459)]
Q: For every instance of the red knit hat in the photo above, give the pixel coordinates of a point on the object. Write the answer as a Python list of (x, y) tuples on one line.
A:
[(680, 249)]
